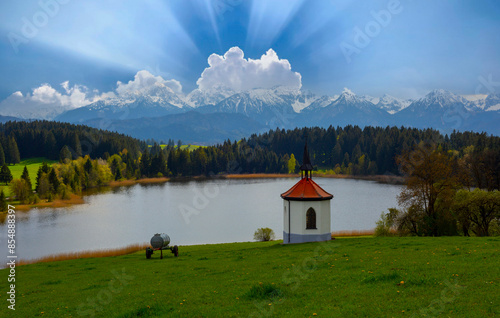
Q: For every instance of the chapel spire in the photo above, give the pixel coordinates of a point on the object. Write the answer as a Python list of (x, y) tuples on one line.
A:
[(306, 163)]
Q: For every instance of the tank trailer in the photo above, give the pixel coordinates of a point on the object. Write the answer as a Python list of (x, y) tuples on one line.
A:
[(161, 242)]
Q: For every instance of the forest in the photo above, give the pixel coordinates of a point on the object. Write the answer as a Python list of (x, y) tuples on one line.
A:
[(349, 150), (48, 139)]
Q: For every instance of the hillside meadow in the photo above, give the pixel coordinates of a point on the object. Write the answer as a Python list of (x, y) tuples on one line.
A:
[(346, 277), (32, 164)]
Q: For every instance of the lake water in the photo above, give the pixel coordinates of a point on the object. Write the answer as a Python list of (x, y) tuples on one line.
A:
[(195, 212)]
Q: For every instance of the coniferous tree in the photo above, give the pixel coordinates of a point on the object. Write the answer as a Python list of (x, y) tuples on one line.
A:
[(115, 168), (54, 180), (118, 174), (26, 177), (2, 156), (145, 163), (64, 154), (87, 166), (337, 155), (43, 170), (50, 146), (158, 164), (5, 174), (3, 201), (13, 151), (76, 146)]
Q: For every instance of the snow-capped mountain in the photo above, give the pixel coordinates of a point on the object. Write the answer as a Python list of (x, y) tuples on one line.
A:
[(392, 104), (347, 109), (492, 103), (443, 110), (346, 101), (289, 108), (321, 102), (127, 107), (371, 99), (272, 107), (349, 99), (297, 98), (438, 101), (198, 98), (477, 100)]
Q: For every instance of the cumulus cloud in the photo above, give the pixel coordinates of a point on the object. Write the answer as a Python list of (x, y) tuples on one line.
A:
[(44, 102), (239, 74), (146, 83)]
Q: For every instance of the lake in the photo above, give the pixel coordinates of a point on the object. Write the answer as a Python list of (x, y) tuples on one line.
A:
[(194, 212)]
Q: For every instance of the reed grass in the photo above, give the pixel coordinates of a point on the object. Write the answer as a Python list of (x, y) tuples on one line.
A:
[(87, 254), (260, 175), (353, 233), (58, 203)]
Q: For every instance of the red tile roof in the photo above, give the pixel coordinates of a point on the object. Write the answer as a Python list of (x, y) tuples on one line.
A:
[(307, 190)]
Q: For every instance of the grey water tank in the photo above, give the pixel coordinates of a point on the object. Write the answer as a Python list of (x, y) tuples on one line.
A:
[(160, 241)]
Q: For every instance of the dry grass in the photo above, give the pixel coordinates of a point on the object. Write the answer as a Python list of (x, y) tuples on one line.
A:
[(141, 181), (87, 254), (353, 233), (74, 199), (260, 175)]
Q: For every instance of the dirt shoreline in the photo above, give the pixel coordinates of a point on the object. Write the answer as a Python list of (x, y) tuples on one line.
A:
[(78, 199)]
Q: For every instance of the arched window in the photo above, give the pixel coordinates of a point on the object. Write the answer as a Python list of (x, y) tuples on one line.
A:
[(311, 219)]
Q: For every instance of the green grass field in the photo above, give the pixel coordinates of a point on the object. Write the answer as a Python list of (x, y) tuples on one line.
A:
[(347, 277), (17, 170)]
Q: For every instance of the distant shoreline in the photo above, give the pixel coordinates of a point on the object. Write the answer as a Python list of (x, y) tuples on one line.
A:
[(386, 179), (79, 199)]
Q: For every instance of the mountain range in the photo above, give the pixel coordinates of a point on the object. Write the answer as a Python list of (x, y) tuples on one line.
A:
[(211, 116)]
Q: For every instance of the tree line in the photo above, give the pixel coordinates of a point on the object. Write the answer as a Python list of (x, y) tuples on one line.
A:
[(342, 150), (53, 140)]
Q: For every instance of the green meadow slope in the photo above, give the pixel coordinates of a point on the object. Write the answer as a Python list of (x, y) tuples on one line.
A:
[(347, 277), (32, 164)]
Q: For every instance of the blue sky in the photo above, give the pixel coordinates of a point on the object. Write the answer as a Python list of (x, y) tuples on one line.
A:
[(405, 48)]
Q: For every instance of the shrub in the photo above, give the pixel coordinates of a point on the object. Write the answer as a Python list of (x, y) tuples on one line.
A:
[(36, 198), (385, 224), (64, 192), (264, 234), (21, 190)]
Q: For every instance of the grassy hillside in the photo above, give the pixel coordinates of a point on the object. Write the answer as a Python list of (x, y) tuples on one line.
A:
[(31, 164), (348, 277)]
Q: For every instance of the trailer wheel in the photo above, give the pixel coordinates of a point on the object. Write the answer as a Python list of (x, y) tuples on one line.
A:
[(175, 250), (149, 251)]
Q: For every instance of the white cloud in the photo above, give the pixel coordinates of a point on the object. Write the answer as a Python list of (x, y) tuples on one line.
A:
[(239, 74), (146, 83), (231, 71), (44, 102)]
